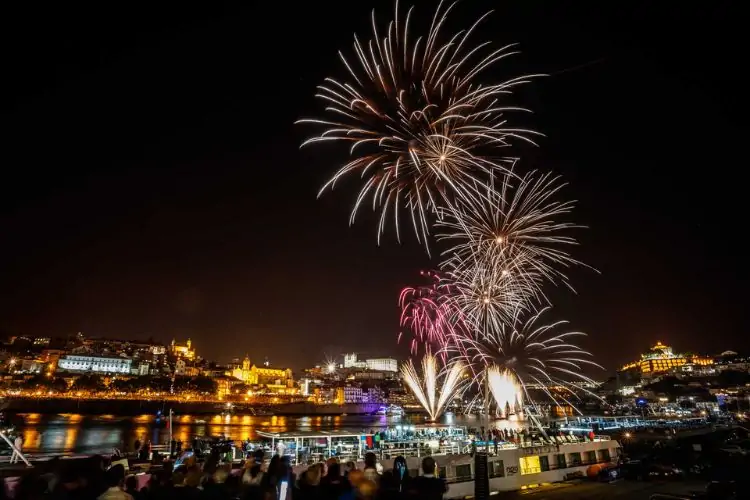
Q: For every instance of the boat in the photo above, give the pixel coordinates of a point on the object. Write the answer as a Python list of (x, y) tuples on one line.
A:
[(394, 411), (259, 412), (511, 466)]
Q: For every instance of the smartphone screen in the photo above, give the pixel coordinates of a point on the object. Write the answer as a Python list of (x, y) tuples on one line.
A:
[(283, 489)]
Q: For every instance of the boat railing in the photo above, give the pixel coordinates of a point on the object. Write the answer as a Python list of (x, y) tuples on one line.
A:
[(417, 449)]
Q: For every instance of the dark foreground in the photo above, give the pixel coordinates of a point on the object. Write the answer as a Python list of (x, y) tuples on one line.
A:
[(622, 490)]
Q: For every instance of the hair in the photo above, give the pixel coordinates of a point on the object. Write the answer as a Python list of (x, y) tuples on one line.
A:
[(428, 465), (115, 475), (334, 470), (399, 460)]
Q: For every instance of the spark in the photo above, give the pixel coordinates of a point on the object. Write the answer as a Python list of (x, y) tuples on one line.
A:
[(517, 230), (435, 388), (534, 353), (505, 390), (423, 131)]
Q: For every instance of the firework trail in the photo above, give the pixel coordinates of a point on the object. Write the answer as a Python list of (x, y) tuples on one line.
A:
[(422, 131), (517, 229), (436, 387), (534, 353)]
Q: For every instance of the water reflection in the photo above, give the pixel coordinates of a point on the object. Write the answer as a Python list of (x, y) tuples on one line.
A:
[(73, 433)]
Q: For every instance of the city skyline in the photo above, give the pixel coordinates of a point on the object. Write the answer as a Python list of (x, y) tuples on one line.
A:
[(202, 222)]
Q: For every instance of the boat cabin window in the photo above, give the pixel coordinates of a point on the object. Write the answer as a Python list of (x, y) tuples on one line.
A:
[(530, 465), (442, 472), (561, 461), (463, 472), (497, 469), (591, 457), (544, 463), (604, 454), (575, 459)]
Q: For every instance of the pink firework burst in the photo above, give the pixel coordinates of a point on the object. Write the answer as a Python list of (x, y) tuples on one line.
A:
[(427, 314)]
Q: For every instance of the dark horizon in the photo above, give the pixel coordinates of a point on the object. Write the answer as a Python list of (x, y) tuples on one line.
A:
[(155, 188)]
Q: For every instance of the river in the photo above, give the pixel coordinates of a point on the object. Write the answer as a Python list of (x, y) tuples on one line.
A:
[(74, 433)]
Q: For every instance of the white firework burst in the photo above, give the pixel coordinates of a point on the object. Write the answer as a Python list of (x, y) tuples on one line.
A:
[(437, 387), (518, 225), (423, 131), (534, 353)]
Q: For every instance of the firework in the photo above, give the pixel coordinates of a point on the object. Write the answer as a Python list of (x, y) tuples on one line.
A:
[(517, 230), (485, 297), (422, 131), (427, 313), (505, 390), (436, 387), (533, 353)]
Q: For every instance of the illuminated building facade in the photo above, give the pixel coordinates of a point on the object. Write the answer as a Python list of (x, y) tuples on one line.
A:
[(382, 364), (95, 364), (378, 364), (250, 374), (186, 351), (661, 359)]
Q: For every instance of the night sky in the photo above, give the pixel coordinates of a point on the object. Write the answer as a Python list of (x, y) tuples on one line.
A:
[(153, 186)]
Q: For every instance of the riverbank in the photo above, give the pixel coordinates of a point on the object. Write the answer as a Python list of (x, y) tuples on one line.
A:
[(132, 407)]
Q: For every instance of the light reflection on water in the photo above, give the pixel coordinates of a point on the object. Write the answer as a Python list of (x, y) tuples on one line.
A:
[(74, 433)]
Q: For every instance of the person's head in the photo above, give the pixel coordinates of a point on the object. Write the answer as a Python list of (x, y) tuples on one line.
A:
[(221, 475), (399, 467), (428, 465), (350, 466), (367, 489), (370, 460), (131, 483), (334, 470), (356, 477), (313, 475), (178, 478), (193, 477), (115, 476)]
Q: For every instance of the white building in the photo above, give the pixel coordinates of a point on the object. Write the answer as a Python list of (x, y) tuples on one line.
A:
[(350, 361), (379, 364), (382, 364), (96, 364), (352, 394)]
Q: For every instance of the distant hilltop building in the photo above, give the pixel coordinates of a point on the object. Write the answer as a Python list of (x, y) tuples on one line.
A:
[(378, 364), (186, 351), (103, 365), (661, 359), (272, 378)]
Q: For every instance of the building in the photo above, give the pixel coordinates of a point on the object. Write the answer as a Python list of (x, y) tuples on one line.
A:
[(661, 359), (182, 369), (730, 360), (382, 364), (251, 374), (352, 394), (351, 361), (186, 351), (95, 364)]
